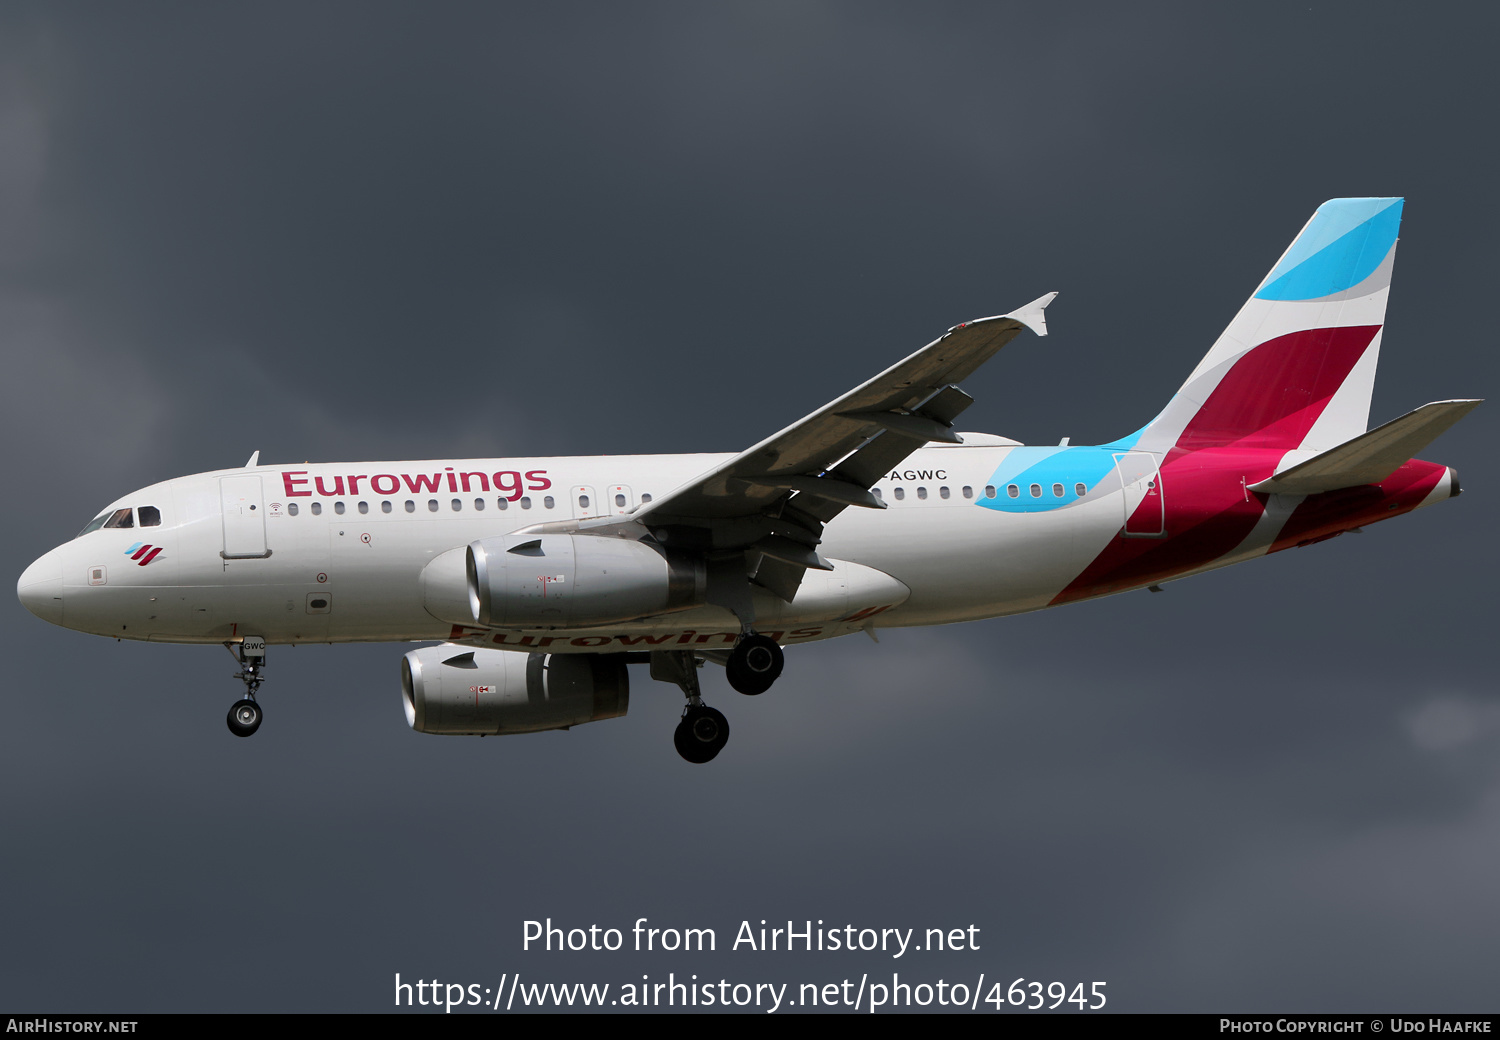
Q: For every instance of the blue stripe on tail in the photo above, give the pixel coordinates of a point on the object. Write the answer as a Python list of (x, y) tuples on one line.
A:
[(1342, 246)]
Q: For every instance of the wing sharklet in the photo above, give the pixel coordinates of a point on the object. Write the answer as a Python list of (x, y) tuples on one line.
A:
[(1034, 314)]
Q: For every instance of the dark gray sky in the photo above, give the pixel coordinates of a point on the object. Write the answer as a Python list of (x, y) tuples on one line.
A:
[(342, 231)]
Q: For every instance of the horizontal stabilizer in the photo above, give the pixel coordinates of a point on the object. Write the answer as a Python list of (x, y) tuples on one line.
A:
[(1370, 457)]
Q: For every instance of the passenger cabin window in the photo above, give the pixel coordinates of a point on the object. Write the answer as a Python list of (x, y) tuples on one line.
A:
[(583, 501), (150, 516), (968, 491), (1012, 491), (1036, 491), (549, 502), (411, 507), (457, 504), (385, 507), (479, 504), (942, 491), (338, 507), (1057, 491), (620, 501), (900, 494), (922, 493), (120, 518), (317, 508), (364, 507), (432, 505), (291, 509), (502, 503), (526, 502), (1079, 489), (645, 498), (989, 491)]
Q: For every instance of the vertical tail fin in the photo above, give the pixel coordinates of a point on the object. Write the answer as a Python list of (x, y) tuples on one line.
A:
[(1296, 366)]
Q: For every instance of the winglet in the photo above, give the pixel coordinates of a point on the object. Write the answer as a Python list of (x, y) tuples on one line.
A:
[(1034, 314)]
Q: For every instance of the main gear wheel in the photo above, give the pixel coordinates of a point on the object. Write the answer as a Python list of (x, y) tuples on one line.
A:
[(754, 664), (701, 734)]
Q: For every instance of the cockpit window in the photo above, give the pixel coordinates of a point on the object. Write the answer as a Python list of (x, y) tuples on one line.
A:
[(95, 524), (150, 517)]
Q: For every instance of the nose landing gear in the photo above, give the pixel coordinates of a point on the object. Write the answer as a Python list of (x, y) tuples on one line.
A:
[(245, 714)]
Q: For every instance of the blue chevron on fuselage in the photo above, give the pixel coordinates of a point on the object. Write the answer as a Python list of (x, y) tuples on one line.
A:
[(1047, 466)]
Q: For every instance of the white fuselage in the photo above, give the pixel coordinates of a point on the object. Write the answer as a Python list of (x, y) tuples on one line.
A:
[(376, 551), (338, 565)]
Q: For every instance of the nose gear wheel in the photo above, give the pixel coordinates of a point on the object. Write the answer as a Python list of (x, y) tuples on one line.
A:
[(244, 718), (245, 714)]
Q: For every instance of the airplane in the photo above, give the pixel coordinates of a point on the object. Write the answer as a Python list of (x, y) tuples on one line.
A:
[(541, 579)]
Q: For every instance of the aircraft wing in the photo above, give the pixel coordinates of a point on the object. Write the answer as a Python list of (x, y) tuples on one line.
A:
[(772, 500)]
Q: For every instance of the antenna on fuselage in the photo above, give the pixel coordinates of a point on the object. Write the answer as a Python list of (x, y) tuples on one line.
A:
[(254, 459)]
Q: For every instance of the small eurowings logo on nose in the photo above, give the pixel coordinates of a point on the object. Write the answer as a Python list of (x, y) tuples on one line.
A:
[(143, 553)]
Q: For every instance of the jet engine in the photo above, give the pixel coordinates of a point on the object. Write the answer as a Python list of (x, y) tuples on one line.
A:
[(456, 690), (571, 581)]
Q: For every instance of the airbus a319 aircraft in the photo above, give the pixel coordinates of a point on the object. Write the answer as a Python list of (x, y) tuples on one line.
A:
[(543, 578)]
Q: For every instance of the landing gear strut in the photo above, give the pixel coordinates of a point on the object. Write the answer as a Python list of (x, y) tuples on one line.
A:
[(245, 714), (754, 663), (703, 731)]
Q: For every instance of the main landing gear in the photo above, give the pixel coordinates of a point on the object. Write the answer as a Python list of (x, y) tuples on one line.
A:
[(754, 664), (751, 667), (701, 734), (245, 714), (703, 731)]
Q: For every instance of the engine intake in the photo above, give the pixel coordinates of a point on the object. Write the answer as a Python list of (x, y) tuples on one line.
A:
[(565, 580), (454, 690)]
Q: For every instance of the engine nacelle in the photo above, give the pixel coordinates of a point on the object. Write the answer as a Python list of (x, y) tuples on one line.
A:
[(572, 581), (455, 690)]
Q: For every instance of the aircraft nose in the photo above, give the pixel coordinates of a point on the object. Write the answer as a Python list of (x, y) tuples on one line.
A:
[(40, 588)]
